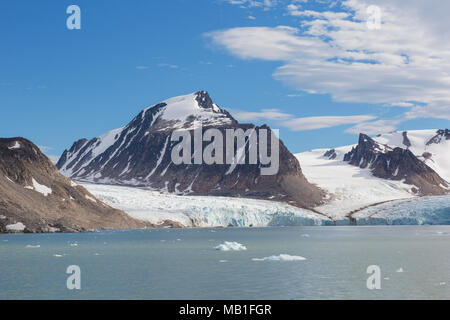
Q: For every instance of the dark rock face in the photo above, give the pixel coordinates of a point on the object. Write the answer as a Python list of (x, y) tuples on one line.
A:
[(442, 134), (396, 164), (330, 154), (139, 154), (35, 194), (406, 141)]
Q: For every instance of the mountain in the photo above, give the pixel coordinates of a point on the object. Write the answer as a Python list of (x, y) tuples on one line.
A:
[(395, 163), (35, 197), (140, 154), (391, 166)]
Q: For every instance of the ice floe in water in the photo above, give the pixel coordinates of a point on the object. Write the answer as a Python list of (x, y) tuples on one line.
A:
[(230, 246), (33, 246), (58, 255), (281, 257), (400, 270)]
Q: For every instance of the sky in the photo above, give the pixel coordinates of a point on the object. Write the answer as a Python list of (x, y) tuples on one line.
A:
[(319, 71)]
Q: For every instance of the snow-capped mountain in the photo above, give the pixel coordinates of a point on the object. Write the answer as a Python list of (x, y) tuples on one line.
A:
[(36, 197), (139, 154), (397, 165)]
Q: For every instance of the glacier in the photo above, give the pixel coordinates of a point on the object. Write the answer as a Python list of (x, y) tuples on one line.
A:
[(203, 211), (207, 211), (417, 211)]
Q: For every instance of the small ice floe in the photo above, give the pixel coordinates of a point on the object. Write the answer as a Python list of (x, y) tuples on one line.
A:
[(33, 246), (281, 257), (178, 239), (73, 244), (387, 278), (400, 270), (305, 235), (57, 255), (97, 254), (19, 226), (230, 246), (442, 283), (223, 261)]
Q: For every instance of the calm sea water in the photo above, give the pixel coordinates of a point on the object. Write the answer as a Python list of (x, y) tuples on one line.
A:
[(183, 264)]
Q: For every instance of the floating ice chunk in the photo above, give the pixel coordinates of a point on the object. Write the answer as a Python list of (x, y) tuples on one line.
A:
[(305, 235), (33, 246), (74, 244), (281, 257), (222, 261), (57, 255), (400, 270), (230, 246), (19, 226)]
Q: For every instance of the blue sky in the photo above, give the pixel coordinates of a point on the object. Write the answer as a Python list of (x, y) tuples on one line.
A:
[(291, 64)]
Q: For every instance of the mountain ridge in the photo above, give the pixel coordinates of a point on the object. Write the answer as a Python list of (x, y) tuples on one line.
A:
[(139, 154)]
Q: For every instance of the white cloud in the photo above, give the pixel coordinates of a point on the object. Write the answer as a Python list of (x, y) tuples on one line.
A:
[(334, 53), (44, 149), (264, 4), (373, 127), (265, 114), (167, 65), (312, 123)]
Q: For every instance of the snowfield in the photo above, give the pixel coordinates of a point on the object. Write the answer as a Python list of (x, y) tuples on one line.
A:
[(203, 211), (351, 188)]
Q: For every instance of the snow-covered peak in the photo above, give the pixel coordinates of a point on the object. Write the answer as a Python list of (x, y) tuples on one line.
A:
[(430, 146), (196, 106), (181, 107)]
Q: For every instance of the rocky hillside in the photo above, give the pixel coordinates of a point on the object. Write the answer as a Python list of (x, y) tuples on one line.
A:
[(139, 154), (35, 197), (396, 164)]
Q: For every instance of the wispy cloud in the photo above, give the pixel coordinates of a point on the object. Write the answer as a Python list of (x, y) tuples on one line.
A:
[(313, 123), (334, 52), (167, 65), (45, 149), (293, 123), (374, 127), (265, 114)]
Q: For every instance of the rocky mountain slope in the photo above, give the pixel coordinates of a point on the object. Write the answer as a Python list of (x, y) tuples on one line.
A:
[(396, 165), (35, 197), (139, 154)]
